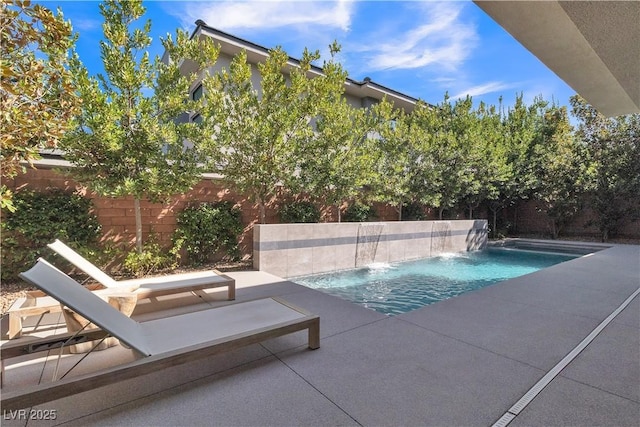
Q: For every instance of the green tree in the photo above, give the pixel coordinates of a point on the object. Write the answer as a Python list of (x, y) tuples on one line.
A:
[(449, 148), (562, 166), (338, 161), (392, 149), (127, 140), (260, 134), (424, 126), (613, 147), (519, 129), (37, 98), (486, 157)]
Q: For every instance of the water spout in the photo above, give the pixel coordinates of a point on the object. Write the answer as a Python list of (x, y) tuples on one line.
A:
[(367, 243), (441, 237)]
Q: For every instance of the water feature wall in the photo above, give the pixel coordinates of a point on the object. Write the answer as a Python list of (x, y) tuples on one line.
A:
[(289, 250)]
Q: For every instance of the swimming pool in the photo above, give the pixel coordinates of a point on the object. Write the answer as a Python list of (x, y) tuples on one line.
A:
[(401, 287)]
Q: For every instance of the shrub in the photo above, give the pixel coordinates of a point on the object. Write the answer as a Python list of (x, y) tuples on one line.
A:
[(299, 211), (358, 212), (39, 219), (205, 229), (152, 259), (413, 212)]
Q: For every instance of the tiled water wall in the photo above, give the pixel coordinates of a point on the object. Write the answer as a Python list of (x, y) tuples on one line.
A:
[(289, 250)]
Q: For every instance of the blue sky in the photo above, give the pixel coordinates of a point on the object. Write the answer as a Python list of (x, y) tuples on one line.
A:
[(420, 48)]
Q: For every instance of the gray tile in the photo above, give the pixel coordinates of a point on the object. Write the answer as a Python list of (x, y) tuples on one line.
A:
[(114, 395), (568, 403), (393, 373), (281, 288), (564, 289), (336, 315), (630, 316), (611, 362), (15, 418), (264, 393), (522, 332)]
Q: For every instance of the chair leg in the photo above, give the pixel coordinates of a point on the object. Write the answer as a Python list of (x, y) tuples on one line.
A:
[(15, 325), (314, 335)]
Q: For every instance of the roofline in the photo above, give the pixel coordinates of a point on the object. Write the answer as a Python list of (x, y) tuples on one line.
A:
[(367, 82)]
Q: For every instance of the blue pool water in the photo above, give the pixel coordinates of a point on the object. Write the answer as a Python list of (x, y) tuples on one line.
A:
[(401, 287)]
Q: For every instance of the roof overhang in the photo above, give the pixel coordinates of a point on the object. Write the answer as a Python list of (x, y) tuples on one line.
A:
[(594, 46)]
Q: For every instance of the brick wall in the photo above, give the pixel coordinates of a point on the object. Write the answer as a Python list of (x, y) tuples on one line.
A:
[(531, 221), (117, 214), (118, 218)]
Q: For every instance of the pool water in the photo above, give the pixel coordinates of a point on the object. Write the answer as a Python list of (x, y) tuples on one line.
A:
[(401, 287)]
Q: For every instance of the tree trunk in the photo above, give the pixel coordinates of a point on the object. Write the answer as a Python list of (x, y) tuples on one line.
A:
[(470, 212), (136, 208), (441, 210), (495, 221), (262, 211), (399, 209), (339, 215)]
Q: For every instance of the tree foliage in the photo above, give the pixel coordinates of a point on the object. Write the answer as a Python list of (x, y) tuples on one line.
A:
[(452, 129), (127, 141), (518, 128), (561, 161), (613, 179), (262, 135), (487, 168), (392, 146), (293, 133), (37, 97), (337, 161), (39, 218)]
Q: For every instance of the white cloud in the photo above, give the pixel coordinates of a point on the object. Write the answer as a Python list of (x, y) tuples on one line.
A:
[(84, 24), (484, 89), (234, 15), (443, 80), (442, 38)]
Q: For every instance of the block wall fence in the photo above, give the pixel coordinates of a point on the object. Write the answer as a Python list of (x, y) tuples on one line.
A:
[(116, 214), (118, 222), (289, 250)]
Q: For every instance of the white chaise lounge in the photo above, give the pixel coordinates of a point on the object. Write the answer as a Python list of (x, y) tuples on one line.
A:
[(160, 343), (36, 303)]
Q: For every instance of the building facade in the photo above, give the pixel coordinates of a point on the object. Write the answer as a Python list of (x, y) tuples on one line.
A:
[(359, 94)]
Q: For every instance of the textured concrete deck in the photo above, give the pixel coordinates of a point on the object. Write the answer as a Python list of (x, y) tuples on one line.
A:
[(459, 362)]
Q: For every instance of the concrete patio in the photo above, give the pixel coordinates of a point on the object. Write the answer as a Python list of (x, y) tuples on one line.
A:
[(461, 362)]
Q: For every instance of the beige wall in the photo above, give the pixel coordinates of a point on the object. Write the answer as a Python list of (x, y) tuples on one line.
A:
[(289, 250)]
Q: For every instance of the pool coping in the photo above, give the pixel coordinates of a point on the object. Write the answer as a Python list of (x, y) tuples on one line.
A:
[(515, 242)]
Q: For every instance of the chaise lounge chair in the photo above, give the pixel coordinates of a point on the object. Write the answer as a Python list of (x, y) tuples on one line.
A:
[(36, 303), (160, 343)]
